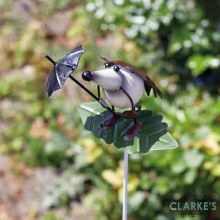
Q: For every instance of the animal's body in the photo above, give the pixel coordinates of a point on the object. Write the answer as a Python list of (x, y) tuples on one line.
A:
[(130, 82), (148, 83), (123, 86)]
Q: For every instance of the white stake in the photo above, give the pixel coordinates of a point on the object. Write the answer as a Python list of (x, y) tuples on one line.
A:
[(125, 186)]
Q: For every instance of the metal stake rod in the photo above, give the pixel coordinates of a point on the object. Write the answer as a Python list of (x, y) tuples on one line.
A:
[(125, 186)]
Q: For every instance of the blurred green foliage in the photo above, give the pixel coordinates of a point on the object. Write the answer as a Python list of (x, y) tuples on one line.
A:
[(176, 41)]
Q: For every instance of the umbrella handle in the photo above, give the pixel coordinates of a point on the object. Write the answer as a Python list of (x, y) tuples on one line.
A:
[(50, 59), (90, 93)]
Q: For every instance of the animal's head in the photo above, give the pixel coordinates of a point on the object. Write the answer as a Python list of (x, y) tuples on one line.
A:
[(107, 63), (110, 64), (108, 78)]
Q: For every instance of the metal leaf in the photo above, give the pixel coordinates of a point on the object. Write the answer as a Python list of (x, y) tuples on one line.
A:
[(153, 134)]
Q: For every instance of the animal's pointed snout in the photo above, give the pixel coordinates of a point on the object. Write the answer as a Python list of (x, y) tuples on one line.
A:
[(87, 75), (107, 78)]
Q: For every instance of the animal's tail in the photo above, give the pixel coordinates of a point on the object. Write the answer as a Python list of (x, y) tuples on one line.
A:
[(149, 84)]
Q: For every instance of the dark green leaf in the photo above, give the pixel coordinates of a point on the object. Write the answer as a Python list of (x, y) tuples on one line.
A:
[(153, 134)]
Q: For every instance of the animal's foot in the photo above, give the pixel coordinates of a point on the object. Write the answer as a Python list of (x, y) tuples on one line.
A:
[(110, 121), (132, 131), (129, 114)]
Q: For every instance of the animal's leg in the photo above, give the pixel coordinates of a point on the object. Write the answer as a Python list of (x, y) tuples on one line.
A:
[(129, 114), (112, 119), (98, 89), (129, 97), (137, 107), (134, 129), (101, 100)]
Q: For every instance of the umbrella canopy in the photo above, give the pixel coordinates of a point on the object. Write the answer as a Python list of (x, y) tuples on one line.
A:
[(62, 69)]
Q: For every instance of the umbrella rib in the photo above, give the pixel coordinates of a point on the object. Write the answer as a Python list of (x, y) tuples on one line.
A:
[(58, 79)]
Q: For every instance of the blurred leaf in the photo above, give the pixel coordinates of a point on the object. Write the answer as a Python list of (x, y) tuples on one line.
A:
[(190, 176), (193, 158), (199, 63), (179, 39), (113, 178), (216, 170), (171, 39), (179, 167), (162, 185), (58, 143), (136, 199), (133, 183), (50, 216), (67, 186)]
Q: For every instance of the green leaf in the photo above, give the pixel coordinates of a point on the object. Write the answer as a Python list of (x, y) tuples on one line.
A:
[(178, 41), (199, 63), (193, 158), (165, 142), (190, 176), (153, 134)]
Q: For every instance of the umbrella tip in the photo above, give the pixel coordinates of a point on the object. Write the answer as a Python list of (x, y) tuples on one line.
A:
[(49, 94)]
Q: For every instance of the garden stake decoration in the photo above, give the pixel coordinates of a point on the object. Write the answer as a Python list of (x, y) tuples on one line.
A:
[(123, 124), (123, 86)]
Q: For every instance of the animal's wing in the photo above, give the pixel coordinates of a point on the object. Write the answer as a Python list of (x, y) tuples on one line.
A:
[(148, 83), (72, 58)]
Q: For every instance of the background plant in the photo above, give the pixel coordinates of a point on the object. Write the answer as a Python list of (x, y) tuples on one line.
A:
[(177, 42)]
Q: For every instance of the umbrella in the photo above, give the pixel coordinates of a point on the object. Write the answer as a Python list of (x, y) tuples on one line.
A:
[(62, 69)]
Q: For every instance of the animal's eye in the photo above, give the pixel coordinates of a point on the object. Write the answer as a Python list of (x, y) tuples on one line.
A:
[(116, 68), (107, 65)]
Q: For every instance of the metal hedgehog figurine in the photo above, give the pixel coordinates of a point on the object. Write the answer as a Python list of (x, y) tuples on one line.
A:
[(123, 86)]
